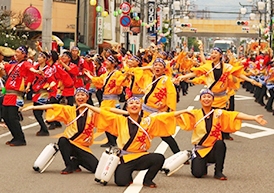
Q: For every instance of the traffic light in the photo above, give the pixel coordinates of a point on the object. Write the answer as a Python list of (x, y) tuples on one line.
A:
[(240, 22), (245, 29), (186, 24), (193, 29)]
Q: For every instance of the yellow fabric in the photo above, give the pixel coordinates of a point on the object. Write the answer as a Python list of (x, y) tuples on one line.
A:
[(114, 84), (163, 96), (67, 114), (223, 83), (139, 81), (225, 121), (162, 124)]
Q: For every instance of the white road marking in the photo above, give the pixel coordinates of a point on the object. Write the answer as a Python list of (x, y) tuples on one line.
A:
[(241, 97), (197, 98), (137, 184), (23, 128), (265, 131)]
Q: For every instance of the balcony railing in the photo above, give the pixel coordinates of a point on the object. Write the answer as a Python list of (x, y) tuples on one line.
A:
[(66, 1)]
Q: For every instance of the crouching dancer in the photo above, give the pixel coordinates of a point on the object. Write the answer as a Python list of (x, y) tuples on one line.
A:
[(207, 125), (134, 135), (78, 135)]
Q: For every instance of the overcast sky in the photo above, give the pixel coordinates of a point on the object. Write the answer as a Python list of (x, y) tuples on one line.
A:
[(221, 5)]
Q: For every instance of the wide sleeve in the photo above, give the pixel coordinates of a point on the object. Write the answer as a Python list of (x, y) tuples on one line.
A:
[(99, 81), (107, 121), (63, 113), (162, 124), (186, 121), (203, 69), (229, 121)]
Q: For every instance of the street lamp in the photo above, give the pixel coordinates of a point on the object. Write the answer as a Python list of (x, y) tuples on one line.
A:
[(259, 7)]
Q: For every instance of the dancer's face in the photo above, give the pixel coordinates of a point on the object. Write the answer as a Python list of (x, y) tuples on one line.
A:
[(81, 98), (206, 100)]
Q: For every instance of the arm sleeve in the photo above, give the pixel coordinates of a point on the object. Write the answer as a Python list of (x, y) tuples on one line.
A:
[(60, 113), (162, 124)]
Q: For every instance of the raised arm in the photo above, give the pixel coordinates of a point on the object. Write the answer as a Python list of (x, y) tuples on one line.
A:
[(98, 110), (39, 107)]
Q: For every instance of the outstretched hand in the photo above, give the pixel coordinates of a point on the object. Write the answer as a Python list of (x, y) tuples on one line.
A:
[(259, 119), (26, 108)]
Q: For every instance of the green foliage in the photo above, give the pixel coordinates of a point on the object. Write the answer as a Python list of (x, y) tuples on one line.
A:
[(193, 42), (14, 35)]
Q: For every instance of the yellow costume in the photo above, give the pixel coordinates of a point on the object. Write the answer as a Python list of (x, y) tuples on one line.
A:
[(160, 95), (111, 83), (205, 76), (67, 115), (162, 124), (222, 121)]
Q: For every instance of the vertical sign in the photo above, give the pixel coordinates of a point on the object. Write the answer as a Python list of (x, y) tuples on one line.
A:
[(151, 16), (99, 30)]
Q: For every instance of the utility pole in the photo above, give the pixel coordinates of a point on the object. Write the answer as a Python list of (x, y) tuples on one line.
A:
[(47, 25), (271, 23), (77, 23)]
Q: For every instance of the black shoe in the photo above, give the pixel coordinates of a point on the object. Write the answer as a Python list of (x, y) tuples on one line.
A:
[(10, 141), (220, 176), (269, 110), (18, 143), (52, 126), (106, 145), (262, 104), (42, 133), (150, 184), (58, 125), (67, 170)]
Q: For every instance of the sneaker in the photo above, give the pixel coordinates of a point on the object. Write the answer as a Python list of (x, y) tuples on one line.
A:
[(220, 176), (150, 184), (18, 143), (42, 133)]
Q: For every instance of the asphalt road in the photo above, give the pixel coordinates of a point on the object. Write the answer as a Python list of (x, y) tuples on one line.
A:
[(248, 166)]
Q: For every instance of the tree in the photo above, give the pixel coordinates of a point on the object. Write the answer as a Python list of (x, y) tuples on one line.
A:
[(12, 27)]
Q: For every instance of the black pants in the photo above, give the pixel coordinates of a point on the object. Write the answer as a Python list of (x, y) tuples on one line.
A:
[(111, 139), (184, 86), (216, 155), (259, 94), (270, 100), (11, 118), (38, 114), (99, 95), (83, 158), (171, 143), (152, 161), (1, 108)]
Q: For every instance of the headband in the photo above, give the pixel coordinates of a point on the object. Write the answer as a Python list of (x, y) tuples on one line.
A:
[(75, 48), (133, 99), (218, 50), (112, 59), (81, 89), (160, 60), (206, 91), (23, 49), (137, 58), (44, 55), (163, 53)]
